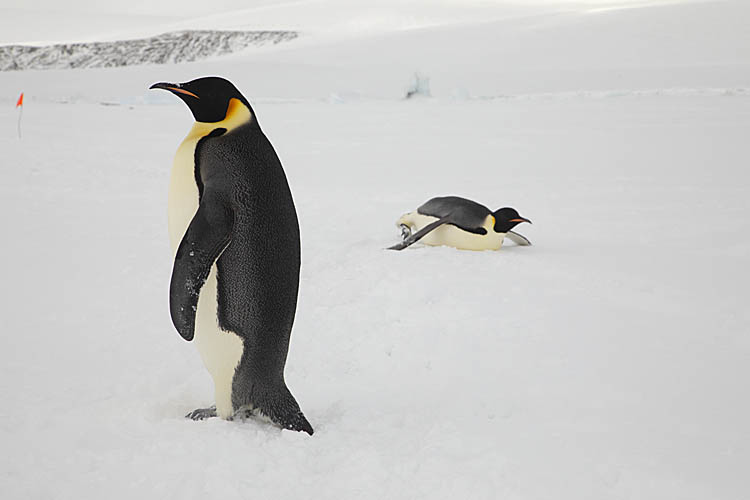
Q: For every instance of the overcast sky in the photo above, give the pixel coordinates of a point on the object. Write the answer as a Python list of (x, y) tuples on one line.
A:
[(50, 21), (202, 7)]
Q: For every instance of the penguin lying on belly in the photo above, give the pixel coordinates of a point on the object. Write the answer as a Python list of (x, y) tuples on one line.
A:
[(460, 223)]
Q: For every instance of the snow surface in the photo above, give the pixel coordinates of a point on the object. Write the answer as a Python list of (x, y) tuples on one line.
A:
[(608, 361)]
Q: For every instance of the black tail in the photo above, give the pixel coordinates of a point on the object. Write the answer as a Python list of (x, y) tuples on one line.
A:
[(281, 407), (278, 404)]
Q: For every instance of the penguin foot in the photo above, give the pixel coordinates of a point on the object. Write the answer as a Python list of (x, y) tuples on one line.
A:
[(296, 422), (405, 232), (202, 413), (245, 413)]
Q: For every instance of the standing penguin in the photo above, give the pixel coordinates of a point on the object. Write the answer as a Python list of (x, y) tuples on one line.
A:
[(460, 223), (235, 239)]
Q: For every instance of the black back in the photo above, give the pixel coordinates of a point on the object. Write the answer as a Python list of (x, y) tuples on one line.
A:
[(465, 214), (258, 276)]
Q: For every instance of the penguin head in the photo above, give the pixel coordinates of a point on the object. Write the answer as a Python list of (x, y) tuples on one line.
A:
[(506, 219), (208, 98)]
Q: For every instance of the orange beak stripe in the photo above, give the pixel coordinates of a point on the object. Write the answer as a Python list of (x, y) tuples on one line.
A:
[(518, 220), (182, 91)]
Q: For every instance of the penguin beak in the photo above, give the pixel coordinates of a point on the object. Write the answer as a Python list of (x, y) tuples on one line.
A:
[(175, 88), (521, 219)]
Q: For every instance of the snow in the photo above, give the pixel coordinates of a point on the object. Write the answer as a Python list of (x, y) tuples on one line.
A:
[(608, 360)]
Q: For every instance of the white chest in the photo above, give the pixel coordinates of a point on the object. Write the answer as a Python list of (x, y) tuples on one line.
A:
[(220, 351), (183, 192)]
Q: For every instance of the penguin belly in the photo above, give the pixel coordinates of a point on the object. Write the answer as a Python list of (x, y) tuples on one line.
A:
[(452, 236), (219, 350)]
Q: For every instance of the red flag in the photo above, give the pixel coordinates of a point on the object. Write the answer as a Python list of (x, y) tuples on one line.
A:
[(20, 100)]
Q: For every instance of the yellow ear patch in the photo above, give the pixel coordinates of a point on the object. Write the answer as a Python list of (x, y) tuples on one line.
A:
[(237, 114), (234, 109)]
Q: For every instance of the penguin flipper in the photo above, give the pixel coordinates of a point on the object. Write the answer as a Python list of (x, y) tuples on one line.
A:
[(518, 239), (207, 236), (420, 234)]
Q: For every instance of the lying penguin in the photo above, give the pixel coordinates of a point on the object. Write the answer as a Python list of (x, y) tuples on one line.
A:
[(460, 223)]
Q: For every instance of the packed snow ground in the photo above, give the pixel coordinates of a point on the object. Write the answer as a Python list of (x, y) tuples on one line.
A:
[(609, 360)]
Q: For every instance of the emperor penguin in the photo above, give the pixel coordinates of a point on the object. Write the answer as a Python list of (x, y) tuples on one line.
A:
[(235, 240), (460, 223)]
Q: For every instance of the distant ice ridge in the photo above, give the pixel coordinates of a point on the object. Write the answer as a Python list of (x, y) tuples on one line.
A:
[(175, 47)]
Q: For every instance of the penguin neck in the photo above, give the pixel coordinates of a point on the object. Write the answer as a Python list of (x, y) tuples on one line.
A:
[(183, 189), (238, 114), (489, 225)]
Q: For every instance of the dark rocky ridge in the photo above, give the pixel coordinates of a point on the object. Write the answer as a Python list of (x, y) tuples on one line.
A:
[(175, 47)]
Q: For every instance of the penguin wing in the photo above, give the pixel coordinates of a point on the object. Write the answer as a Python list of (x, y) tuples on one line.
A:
[(420, 234), (469, 220), (207, 236), (518, 239)]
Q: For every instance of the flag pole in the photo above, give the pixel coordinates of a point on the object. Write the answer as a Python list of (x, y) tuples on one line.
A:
[(20, 114), (19, 104)]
